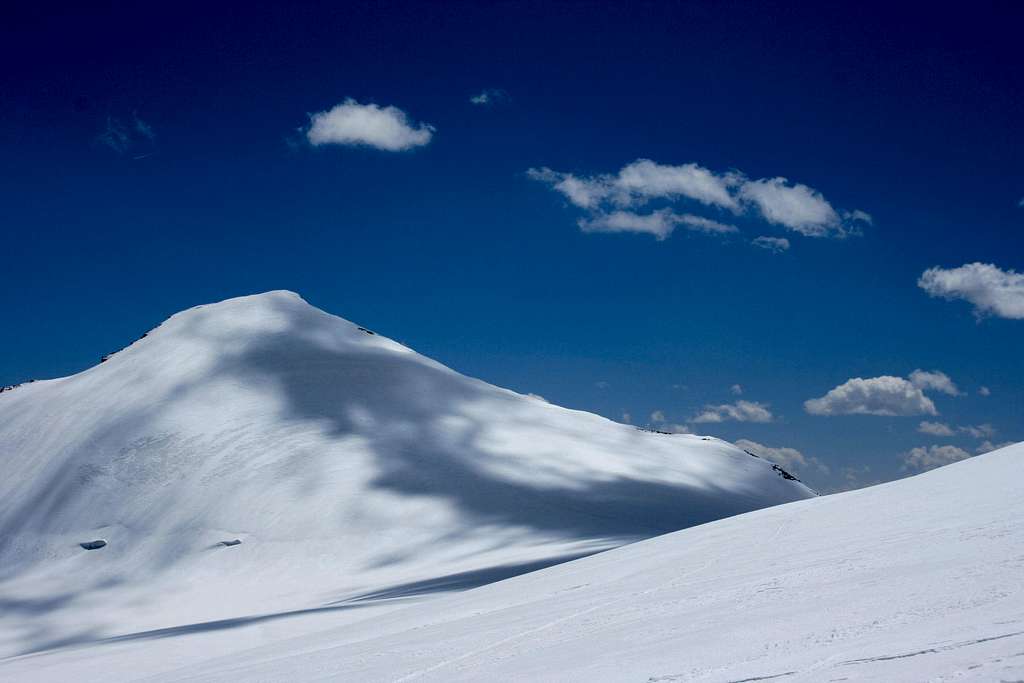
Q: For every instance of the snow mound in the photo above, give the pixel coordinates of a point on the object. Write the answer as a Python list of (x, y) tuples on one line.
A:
[(353, 470)]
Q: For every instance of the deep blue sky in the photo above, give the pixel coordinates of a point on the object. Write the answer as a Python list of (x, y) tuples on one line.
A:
[(912, 114)]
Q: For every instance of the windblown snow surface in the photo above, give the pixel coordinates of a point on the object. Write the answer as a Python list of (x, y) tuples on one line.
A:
[(916, 580), (361, 478)]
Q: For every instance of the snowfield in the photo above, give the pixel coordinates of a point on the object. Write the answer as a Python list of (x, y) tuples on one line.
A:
[(915, 580), (361, 479)]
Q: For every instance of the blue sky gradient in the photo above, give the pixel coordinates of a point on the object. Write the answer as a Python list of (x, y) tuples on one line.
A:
[(154, 159)]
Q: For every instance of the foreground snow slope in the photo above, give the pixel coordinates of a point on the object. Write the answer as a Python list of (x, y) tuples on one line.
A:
[(356, 473), (916, 580)]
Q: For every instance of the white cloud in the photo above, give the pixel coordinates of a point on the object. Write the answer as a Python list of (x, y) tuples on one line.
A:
[(701, 224), (741, 411), (489, 96), (797, 207), (638, 182), (982, 431), (582, 192), (789, 458), (885, 395), (644, 179), (627, 418), (859, 216), (935, 428), (987, 446), (538, 397), (988, 288), (657, 416), (351, 123), (736, 389), (984, 391), (772, 244), (658, 223), (930, 457), (933, 380)]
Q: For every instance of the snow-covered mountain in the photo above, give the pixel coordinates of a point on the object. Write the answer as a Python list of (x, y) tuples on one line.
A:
[(356, 473), (916, 580)]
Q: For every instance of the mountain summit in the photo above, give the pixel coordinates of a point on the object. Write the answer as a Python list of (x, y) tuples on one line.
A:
[(351, 470)]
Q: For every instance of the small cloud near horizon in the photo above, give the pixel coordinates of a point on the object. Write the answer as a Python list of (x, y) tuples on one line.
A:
[(740, 411), (924, 458)]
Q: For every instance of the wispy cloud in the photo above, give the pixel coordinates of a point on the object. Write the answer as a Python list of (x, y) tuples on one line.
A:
[(794, 206), (354, 124), (775, 245), (740, 411), (489, 96), (639, 182), (933, 380), (982, 431), (126, 134), (706, 225), (991, 290), (661, 223)]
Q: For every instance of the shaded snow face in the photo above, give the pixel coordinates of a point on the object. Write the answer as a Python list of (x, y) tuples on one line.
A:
[(347, 463), (912, 580)]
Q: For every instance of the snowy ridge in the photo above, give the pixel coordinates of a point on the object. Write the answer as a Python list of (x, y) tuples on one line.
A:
[(356, 473)]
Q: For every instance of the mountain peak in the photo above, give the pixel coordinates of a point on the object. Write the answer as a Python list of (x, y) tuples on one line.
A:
[(343, 461)]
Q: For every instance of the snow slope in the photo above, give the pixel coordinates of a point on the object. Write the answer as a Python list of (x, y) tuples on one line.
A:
[(358, 475), (916, 580)]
